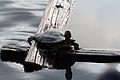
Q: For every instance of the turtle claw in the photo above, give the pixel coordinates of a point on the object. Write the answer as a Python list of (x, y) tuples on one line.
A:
[(30, 39)]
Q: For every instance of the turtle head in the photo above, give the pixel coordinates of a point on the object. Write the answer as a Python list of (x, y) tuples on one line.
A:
[(67, 35)]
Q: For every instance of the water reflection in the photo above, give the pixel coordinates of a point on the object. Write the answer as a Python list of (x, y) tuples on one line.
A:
[(97, 23), (110, 74), (92, 67), (5, 3)]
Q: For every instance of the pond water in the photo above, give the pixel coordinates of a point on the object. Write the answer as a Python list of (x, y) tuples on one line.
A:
[(93, 23)]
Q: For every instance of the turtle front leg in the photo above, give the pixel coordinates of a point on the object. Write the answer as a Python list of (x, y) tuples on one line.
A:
[(30, 39), (76, 46)]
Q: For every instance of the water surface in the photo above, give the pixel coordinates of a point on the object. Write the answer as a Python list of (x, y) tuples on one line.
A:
[(94, 23)]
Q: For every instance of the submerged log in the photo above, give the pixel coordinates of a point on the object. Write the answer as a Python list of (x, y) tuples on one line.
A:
[(64, 58)]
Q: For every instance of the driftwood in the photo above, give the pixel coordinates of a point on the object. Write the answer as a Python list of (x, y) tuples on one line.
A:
[(18, 54), (55, 16), (64, 58), (14, 54)]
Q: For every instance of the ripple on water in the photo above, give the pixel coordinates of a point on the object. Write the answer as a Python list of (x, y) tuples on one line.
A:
[(19, 19)]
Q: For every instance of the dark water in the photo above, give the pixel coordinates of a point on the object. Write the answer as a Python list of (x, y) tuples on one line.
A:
[(94, 23)]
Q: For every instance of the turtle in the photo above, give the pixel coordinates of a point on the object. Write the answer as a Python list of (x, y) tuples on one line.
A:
[(54, 38)]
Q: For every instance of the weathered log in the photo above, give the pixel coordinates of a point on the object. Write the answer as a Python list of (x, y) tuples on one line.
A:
[(67, 58), (14, 54), (55, 16), (64, 58), (18, 54)]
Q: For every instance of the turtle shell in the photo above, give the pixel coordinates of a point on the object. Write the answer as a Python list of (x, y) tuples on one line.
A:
[(50, 36)]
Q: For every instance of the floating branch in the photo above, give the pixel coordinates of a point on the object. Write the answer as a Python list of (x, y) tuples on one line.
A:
[(18, 54), (64, 58), (14, 54)]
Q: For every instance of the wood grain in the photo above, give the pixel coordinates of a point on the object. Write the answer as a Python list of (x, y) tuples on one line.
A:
[(53, 17)]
